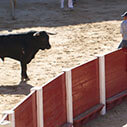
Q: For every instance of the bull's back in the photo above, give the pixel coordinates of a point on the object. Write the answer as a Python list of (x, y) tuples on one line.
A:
[(13, 45)]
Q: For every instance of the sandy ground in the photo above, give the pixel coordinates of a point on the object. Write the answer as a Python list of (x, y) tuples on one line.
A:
[(92, 28)]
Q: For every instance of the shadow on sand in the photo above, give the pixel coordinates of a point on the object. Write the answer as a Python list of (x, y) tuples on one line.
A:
[(22, 88)]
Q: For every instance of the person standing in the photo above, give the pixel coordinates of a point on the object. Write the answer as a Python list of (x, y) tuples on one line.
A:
[(123, 31), (70, 4)]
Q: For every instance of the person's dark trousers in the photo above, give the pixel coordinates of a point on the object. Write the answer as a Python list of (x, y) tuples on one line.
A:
[(74, 2), (123, 44)]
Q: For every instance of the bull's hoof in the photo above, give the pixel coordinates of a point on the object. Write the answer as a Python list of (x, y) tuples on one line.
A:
[(25, 79)]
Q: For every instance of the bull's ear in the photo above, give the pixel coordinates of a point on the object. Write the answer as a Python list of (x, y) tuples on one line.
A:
[(36, 34)]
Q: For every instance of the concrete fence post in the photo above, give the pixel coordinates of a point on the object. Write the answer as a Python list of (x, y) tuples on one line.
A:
[(68, 79), (40, 117), (102, 83)]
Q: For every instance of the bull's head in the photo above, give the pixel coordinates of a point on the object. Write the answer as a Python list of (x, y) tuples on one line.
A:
[(43, 38)]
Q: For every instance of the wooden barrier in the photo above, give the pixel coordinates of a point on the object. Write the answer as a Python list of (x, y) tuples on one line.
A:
[(116, 75), (54, 102), (85, 81), (75, 96), (26, 112), (85, 90)]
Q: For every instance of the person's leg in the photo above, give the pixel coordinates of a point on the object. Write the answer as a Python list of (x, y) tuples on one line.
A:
[(120, 45), (70, 4), (123, 44), (62, 3)]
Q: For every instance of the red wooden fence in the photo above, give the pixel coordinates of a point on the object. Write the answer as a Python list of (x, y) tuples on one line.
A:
[(85, 91), (26, 112), (54, 102), (85, 87), (116, 72)]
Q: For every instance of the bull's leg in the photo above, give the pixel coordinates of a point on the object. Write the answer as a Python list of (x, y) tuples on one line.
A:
[(24, 76)]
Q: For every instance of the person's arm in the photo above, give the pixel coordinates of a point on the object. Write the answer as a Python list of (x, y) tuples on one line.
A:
[(121, 29)]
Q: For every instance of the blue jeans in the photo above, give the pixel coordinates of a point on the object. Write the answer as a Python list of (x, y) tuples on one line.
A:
[(123, 44)]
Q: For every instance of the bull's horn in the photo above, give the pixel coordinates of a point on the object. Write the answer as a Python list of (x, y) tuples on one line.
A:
[(51, 33), (36, 34)]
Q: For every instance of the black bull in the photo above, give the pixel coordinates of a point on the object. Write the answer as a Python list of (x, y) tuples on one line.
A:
[(23, 47)]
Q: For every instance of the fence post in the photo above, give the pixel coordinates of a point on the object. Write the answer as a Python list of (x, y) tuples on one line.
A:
[(102, 83), (68, 79), (40, 117)]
